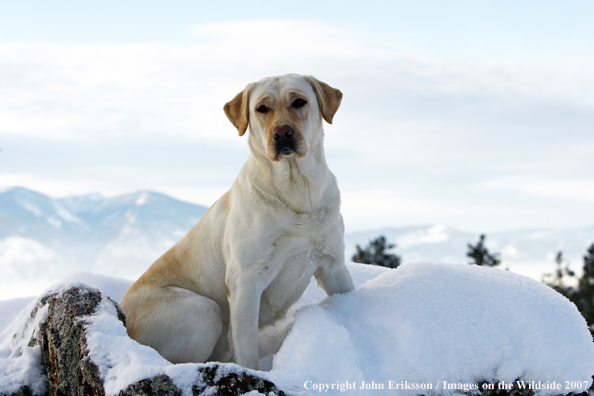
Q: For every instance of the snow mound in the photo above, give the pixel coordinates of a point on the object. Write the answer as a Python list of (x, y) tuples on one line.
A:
[(423, 324)]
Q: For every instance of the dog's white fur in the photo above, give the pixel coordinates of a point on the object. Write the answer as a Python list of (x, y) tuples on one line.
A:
[(252, 254)]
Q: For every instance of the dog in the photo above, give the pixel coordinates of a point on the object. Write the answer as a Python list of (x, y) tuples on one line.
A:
[(253, 253)]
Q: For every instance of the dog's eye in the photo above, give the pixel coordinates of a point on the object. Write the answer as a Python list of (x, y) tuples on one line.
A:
[(262, 109), (298, 103)]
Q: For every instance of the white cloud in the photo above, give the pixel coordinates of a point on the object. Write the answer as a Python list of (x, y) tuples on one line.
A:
[(571, 190), (379, 208), (406, 119), (76, 91)]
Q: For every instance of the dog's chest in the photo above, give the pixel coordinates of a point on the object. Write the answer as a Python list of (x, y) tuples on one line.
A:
[(298, 253)]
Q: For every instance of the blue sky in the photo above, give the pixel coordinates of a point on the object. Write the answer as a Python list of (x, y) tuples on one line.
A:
[(467, 29), (476, 114)]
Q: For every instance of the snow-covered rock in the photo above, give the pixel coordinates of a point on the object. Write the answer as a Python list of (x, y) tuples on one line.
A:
[(432, 329), (74, 343)]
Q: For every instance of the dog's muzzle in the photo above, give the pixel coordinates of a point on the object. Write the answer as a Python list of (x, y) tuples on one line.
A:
[(285, 143)]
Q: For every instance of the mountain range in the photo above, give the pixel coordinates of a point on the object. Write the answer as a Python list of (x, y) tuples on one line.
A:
[(43, 239)]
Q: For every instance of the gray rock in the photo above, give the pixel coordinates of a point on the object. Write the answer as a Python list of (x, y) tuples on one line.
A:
[(160, 385), (232, 384), (68, 367)]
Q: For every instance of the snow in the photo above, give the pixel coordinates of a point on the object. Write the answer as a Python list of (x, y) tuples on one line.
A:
[(432, 235), (9, 309), (142, 199), (420, 325), (20, 364), (425, 323), (35, 210), (65, 214), (123, 361)]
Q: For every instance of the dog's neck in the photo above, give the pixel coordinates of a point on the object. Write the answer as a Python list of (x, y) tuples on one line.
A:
[(301, 184)]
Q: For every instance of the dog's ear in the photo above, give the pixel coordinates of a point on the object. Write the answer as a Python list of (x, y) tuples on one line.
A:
[(328, 97), (237, 109)]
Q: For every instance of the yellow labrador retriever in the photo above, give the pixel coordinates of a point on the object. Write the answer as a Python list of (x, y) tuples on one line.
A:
[(253, 253)]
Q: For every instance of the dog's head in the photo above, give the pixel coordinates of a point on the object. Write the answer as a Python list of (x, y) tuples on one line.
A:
[(284, 114)]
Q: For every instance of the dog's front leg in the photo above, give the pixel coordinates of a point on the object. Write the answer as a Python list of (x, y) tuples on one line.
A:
[(333, 275), (244, 304)]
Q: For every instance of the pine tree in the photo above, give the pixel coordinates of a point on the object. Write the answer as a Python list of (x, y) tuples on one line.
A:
[(375, 253), (556, 278), (583, 297), (480, 254), (589, 263)]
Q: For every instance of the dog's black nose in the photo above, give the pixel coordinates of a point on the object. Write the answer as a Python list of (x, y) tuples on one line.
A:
[(285, 142), (282, 131)]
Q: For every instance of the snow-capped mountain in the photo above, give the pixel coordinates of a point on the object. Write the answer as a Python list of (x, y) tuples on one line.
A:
[(43, 239)]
